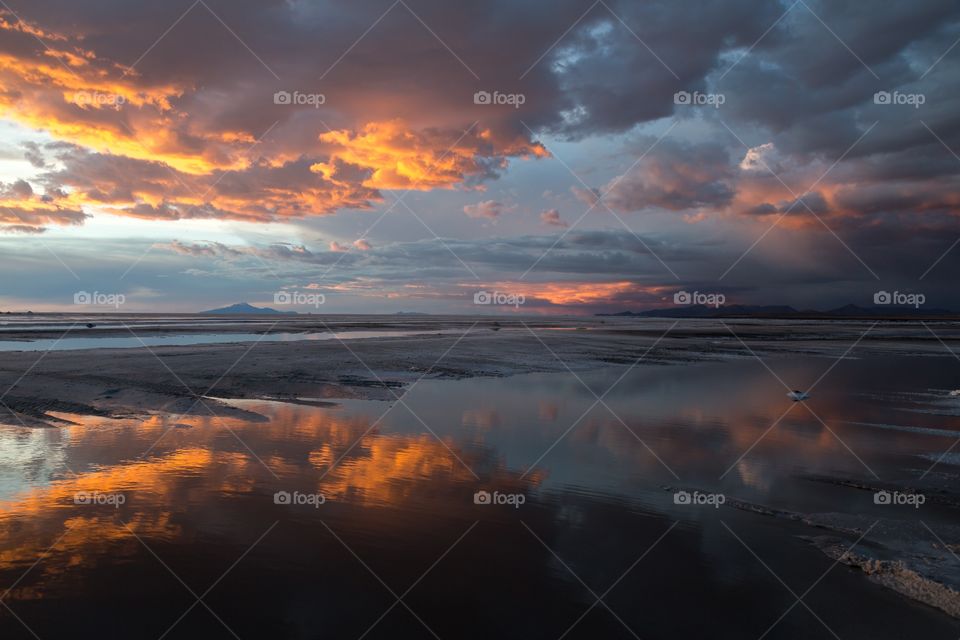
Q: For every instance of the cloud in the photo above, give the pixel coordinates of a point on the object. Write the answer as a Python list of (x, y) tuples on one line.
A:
[(762, 209), (143, 189), (22, 210), (568, 293), (551, 218), (280, 252), (233, 153), (489, 209), (33, 154), (675, 176), (809, 202), (396, 115), (758, 158), (206, 249), (205, 137), (362, 245), (589, 197), (390, 156)]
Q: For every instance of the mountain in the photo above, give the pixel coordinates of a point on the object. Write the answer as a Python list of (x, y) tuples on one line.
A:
[(853, 311), (783, 311), (244, 308)]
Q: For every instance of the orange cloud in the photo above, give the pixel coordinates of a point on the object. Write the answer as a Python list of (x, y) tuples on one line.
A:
[(24, 27), (395, 157), (74, 96), (22, 210), (207, 168), (566, 293)]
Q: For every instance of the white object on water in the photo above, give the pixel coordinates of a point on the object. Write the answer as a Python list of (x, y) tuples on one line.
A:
[(796, 396)]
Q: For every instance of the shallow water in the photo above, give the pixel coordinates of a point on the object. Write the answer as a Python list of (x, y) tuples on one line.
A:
[(73, 343), (399, 519)]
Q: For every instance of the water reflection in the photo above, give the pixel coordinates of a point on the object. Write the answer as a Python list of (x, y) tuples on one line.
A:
[(71, 342), (398, 495)]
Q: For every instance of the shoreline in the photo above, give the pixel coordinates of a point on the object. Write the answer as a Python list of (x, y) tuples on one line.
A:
[(127, 382)]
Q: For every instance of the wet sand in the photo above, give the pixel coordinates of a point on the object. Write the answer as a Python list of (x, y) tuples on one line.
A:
[(184, 380)]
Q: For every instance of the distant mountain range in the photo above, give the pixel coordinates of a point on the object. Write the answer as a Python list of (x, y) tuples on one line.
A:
[(243, 308), (783, 311)]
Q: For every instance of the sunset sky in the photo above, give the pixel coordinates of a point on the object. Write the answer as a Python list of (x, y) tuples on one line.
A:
[(189, 154)]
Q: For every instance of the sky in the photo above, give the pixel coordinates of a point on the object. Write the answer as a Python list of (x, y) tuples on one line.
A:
[(506, 156)]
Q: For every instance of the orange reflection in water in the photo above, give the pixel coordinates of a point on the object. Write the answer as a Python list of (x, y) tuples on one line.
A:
[(203, 460), (216, 474), (388, 469)]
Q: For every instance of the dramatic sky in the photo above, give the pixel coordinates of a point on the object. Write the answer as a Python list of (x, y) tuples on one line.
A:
[(193, 153)]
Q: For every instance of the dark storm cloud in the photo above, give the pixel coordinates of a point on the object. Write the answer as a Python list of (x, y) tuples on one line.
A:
[(813, 96), (616, 74)]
